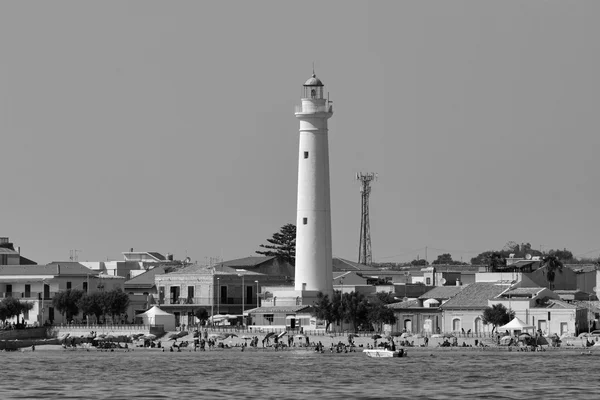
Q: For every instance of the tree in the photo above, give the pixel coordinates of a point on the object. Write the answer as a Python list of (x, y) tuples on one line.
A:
[(552, 264), (446, 259), (202, 315), (355, 309), (116, 302), (11, 307), (497, 315), (66, 302), (323, 310), (283, 244), (93, 304), (422, 262), (378, 311)]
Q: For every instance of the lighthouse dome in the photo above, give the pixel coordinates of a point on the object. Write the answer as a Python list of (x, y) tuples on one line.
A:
[(313, 81)]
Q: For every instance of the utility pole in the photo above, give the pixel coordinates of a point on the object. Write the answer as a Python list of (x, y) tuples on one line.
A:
[(364, 248)]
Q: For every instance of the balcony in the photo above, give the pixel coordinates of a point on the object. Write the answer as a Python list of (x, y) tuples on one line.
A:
[(28, 295), (205, 301)]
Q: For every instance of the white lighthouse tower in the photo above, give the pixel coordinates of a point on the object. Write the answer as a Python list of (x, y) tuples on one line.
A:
[(313, 219)]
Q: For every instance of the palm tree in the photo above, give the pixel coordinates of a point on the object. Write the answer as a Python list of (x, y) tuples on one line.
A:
[(552, 264)]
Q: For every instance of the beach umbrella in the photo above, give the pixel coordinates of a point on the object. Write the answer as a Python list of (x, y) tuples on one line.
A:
[(418, 336), (268, 335), (302, 337), (149, 336), (583, 335), (436, 336), (182, 334), (281, 334), (231, 335), (375, 337), (246, 337), (405, 335), (448, 335), (173, 336)]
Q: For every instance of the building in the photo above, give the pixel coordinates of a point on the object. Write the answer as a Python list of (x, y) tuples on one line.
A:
[(220, 289), (423, 315), (37, 284), (464, 311), (11, 256)]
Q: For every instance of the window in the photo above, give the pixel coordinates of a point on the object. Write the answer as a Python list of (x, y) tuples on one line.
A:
[(4, 257), (304, 221), (269, 318), (68, 285), (306, 154), (27, 290), (548, 315), (428, 281), (85, 287)]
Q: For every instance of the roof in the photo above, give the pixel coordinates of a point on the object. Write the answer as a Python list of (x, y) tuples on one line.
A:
[(582, 268), (66, 268), (441, 292), (146, 279), (528, 292), (156, 255), (348, 278), (245, 262), (219, 269), (456, 268), (155, 311), (4, 250), (559, 304), (279, 309), (339, 264), (405, 304), (313, 81), (475, 295)]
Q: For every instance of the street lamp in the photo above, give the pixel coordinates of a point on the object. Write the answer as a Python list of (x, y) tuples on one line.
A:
[(256, 293)]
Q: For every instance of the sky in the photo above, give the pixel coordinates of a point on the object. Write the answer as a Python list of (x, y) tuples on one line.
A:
[(170, 127)]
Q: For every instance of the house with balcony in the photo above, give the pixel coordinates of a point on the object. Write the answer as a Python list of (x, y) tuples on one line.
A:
[(37, 284), (220, 289)]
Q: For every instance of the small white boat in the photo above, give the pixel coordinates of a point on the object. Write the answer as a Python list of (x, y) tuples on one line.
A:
[(384, 353)]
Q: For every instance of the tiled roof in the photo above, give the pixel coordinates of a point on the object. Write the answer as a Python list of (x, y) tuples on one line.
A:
[(280, 309), (405, 304), (147, 278), (475, 295), (350, 278), (441, 292), (66, 268)]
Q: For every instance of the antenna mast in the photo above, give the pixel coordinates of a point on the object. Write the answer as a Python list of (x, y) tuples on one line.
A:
[(364, 247)]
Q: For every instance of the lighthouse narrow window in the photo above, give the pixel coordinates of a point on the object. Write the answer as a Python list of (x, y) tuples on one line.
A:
[(306, 154), (305, 221)]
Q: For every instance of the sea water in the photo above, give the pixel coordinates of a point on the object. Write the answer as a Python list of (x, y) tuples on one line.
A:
[(298, 374)]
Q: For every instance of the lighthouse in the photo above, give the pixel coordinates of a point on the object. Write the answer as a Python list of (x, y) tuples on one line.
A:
[(313, 218)]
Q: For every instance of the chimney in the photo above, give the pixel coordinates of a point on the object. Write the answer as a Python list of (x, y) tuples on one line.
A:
[(19, 250), (57, 269), (131, 250), (458, 282)]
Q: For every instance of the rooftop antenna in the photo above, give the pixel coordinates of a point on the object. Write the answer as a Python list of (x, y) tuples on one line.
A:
[(364, 248)]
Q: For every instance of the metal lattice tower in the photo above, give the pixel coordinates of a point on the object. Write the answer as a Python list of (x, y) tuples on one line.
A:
[(364, 247)]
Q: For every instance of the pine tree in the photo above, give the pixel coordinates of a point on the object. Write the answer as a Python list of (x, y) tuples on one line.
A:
[(283, 244)]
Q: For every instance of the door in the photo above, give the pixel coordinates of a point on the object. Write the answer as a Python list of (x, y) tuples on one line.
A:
[(478, 325), (27, 290), (177, 318), (293, 323), (190, 295), (408, 325), (46, 292), (174, 292), (542, 325), (51, 314), (564, 328), (427, 326), (456, 325)]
